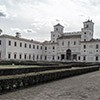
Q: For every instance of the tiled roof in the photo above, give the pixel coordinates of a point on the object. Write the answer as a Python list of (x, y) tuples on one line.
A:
[(21, 39), (91, 41), (70, 36), (58, 25)]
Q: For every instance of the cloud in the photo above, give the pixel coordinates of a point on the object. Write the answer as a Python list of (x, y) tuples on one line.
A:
[(23, 30), (2, 14), (3, 11), (15, 29), (29, 31)]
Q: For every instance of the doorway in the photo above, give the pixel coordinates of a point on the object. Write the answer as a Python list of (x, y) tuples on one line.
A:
[(68, 54)]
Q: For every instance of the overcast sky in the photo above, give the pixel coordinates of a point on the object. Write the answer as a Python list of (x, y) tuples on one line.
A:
[(35, 18)]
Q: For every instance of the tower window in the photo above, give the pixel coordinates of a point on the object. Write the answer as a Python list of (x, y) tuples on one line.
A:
[(97, 46), (53, 35), (53, 47), (56, 29), (84, 46), (84, 32), (87, 26)]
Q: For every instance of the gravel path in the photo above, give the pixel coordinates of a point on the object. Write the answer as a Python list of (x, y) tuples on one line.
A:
[(83, 87)]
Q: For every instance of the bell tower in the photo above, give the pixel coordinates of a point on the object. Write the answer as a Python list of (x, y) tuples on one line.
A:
[(87, 30), (58, 31)]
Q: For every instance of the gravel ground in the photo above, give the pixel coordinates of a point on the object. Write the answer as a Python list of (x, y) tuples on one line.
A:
[(83, 87)]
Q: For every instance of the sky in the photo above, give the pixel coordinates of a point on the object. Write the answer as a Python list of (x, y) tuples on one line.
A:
[(35, 19)]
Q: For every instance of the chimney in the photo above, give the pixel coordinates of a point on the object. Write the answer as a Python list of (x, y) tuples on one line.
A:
[(18, 35)]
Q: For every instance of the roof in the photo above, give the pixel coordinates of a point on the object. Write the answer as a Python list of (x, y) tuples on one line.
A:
[(70, 36), (49, 43), (21, 39), (91, 41), (58, 25), (88, 21)]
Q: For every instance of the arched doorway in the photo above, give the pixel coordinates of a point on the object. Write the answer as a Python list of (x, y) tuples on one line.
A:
[(68, 54)]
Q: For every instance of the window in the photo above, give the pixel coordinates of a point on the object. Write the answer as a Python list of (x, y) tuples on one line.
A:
[(63, 43), (84, 46), (84, 32), (25, 56), (37, 47), (84, 58), (56, 29), (58, 57), (74, 42), (84, 39), (20, 44), (41, 57), (96, 58), (79, 58), (68, 43), (53, 57), (20, 56), (53, 35), (41, 47), (15, 43), (29, 45), (14, 56), (29, 56), (0, 42), (9, 55), (33, 57), (84, 50), (96, 50), (37, 57), (33, 46), (87, 26), (53, 47), (97, 46), (0, 55), (9, 43), (45, 57), (25, 45), (45, 48)]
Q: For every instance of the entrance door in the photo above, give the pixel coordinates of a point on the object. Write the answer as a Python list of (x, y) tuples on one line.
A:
[(68, 54)]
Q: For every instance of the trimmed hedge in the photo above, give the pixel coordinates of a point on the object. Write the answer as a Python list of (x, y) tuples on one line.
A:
[(18, 81)]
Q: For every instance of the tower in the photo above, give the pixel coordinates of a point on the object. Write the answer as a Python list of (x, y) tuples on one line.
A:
[(87, 30), (58, 31)]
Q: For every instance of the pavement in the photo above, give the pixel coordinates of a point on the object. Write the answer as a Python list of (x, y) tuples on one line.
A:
[(82, 87)]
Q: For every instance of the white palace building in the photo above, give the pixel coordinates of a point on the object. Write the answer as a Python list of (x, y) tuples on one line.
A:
[(74, 46)]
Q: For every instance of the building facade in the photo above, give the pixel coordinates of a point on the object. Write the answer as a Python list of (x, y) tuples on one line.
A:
[(72, 46)]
